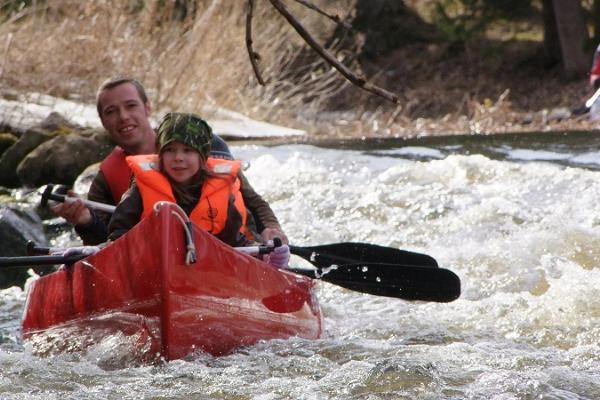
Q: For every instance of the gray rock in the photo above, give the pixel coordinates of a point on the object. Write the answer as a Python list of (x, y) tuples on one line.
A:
[(11, 158), (558, 114), (84, 180), (56, 122), (17, 227), (61, 159), (6, 140)]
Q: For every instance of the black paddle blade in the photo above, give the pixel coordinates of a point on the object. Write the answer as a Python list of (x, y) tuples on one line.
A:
[(392, 280), (355, 253)]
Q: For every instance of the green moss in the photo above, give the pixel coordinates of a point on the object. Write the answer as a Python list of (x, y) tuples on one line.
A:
[(63, 131), (6, 199)]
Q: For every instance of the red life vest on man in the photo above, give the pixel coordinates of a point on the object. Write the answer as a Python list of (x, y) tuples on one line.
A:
[(210, 213), (117, 173)]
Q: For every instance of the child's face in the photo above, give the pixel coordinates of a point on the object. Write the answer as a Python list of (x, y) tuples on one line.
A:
[(181, 162)]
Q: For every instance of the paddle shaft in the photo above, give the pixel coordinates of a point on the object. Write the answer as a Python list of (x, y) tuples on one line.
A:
[(592, 99), (28, 261), (389, 280), (42, 255), (38, 250), (91, 204), (321, 256), (62, 198)]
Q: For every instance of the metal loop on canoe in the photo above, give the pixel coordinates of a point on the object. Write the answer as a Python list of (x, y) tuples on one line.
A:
[(190, 257)]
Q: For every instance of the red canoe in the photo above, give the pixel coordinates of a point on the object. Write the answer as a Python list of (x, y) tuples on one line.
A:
[(140, 286)]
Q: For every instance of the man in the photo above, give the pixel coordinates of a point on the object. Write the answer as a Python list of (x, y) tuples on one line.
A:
[(124, 110)]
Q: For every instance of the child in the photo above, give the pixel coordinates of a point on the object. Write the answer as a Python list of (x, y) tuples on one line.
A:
[(207, 189)]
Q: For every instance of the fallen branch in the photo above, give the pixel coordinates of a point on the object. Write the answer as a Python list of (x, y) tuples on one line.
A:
[(254, 57), (330, 58), (334, 18)]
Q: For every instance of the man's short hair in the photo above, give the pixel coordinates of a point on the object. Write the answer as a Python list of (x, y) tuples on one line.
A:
[(117, 81)]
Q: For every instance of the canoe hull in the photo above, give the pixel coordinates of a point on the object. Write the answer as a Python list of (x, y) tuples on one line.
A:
[(140, 286)]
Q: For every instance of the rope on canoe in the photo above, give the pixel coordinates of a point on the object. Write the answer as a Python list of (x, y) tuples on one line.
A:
[(190, 257)]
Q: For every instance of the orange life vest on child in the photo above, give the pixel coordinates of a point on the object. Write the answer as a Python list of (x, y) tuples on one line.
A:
[(210, 213)]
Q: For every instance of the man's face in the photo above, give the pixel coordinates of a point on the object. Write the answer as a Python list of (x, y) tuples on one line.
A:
[(125, 116)]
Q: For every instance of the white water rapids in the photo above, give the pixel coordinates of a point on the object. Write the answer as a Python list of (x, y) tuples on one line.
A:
[(522, 234)]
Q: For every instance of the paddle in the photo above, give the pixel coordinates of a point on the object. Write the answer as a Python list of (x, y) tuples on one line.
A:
[(592, 99), (408, 275), (588, 104), (376, 270), (391, 280), (345, 253), (27, 261), (380, 271), (406, 282), (48, 194), (353, 253)]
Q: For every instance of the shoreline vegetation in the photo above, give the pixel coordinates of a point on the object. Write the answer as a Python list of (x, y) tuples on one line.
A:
[(193, 57)]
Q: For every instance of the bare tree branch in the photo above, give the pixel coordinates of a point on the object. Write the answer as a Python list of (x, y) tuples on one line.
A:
[(254, 57), (330, 58), (335, 18)]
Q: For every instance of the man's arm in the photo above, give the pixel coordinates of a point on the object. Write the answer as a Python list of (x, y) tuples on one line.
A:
[(266, 222), (127, 214), (96, 230)]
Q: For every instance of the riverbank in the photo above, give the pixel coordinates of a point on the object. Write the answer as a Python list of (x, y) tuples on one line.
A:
[(498, 84)]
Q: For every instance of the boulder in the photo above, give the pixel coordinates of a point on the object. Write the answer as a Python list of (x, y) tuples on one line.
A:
[(56, 122), (61, 159), (11, 158), (84, 180), (17, 227), (6, 140)]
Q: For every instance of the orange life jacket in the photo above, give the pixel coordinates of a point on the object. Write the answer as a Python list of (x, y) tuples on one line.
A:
[(210, 213), (116, 173)]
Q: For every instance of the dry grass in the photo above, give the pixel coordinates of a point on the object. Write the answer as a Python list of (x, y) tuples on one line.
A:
[(68, 47)]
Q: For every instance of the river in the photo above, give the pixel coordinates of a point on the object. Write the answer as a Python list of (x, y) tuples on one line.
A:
[(516, 217)]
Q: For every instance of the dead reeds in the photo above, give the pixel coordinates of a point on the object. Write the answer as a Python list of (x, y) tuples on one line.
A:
[(67, 48), (198, 62)]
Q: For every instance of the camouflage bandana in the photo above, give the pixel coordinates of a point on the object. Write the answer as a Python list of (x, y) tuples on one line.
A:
[(188, 129)]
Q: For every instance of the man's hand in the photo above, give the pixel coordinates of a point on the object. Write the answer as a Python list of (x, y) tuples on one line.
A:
[(73, 210), (271, 233)]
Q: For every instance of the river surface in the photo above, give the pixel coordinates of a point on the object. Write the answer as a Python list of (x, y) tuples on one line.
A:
[(516, 217)]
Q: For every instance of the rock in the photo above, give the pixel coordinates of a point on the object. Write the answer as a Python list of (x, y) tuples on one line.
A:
[(17, 227), (527, 118), (558, 114), (56, 122), (6, 140), (84, 180), (11, 158), (63, 158)]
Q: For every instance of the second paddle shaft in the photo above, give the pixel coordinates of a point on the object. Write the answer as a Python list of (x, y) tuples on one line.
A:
[(91, 204)]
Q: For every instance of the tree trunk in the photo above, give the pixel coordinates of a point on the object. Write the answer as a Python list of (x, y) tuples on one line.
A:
[(572, 37), (596, 21), (551, 41), (389, 24)]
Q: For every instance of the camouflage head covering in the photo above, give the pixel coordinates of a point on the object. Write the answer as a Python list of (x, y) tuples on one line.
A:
[(188, 129)]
